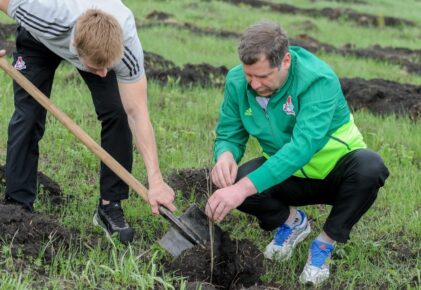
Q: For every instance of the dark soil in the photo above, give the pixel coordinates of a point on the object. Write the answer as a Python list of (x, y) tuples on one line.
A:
[(46, 186), (158, 18), (190, 74), (237, 264), (363, 19), (26, 233), (383, 97), (195, 181), (7, 30), (345, 1), (408, 59)]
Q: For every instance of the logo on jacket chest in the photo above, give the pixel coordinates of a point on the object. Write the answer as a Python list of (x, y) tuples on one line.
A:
[(288, 107)]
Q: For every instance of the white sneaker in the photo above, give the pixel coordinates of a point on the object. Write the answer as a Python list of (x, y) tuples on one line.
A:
[(287, 238), (316, 269)]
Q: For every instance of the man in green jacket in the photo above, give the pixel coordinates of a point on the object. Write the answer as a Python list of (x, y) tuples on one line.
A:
[(313, 153)]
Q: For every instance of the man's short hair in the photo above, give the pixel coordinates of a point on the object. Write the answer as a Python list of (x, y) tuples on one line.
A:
[(263, 38), (99, 38)]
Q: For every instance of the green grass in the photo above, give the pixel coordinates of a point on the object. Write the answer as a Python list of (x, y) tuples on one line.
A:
[(384, 250)]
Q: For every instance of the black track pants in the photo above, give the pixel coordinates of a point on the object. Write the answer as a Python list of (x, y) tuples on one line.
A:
[(351, 188), (27, 124)]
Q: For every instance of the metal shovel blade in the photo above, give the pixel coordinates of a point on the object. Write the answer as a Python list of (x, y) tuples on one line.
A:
[(194, 223)]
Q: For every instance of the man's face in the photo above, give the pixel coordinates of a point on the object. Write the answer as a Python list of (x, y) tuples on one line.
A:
[(265, 79), (99, 71)]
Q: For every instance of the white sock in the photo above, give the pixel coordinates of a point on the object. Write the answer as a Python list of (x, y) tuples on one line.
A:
[(322, 238), (293, 220)]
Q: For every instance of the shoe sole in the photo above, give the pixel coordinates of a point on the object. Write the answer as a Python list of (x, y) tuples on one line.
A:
[(299, 239), (97, 222)]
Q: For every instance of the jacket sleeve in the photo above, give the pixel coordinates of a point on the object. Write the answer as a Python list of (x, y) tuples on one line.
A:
[(311, 132), (43, 19), (230, 133)]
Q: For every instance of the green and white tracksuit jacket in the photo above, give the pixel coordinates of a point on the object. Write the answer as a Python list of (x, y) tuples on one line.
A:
[(306, 128)]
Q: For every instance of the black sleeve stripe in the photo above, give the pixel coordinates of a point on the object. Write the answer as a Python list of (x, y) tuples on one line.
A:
[(23, 20), (130, 68), (42, 22), (38, 26), (134, 58), (132, 64)]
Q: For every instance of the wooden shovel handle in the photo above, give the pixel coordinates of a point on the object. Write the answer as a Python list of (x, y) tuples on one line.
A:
[(75, 129)]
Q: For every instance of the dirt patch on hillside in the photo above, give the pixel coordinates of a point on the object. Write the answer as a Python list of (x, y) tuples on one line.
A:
[(344, 1), (164, 71), (383, 97), (408, 59), (190, 74), (159, 18), (363, 19)]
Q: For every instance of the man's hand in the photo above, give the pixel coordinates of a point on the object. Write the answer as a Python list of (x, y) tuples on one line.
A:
[(225, 199), (161, 194), (2, 52), (225, 170)]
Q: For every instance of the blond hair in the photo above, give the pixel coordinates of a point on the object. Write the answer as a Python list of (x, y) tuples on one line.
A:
[(99, 38)]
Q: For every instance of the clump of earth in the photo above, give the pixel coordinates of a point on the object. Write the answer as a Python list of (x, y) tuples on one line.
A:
[(237, 264), (25, 232)]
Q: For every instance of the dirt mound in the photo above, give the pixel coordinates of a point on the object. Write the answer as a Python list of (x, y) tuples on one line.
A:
[(7, 30), (345, 1), (383, 97), (32, 234), (27, 232), (157, 18), (408, 59), (237, 264), (192, 180), (191, 74), (47, 186), (363, 19), (159, 15)]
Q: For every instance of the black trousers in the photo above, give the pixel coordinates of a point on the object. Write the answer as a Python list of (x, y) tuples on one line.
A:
[(27, 124), (351, 188)]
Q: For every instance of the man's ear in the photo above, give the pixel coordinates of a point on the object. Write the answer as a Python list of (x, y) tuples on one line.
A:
[(286, 61)]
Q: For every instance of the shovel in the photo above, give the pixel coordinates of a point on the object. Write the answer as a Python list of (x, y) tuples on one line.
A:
[(186, 231)]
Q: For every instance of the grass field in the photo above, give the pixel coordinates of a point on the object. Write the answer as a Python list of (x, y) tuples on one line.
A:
[(385, 247)]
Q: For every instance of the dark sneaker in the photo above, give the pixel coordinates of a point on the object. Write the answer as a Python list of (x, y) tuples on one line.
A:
[(110, 218)]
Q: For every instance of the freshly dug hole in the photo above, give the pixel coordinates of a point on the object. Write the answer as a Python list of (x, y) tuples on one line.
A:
[(237, 264)]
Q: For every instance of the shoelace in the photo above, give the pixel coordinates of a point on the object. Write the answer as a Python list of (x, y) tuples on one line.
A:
[(283, 233), (319, 255), (115, 212)]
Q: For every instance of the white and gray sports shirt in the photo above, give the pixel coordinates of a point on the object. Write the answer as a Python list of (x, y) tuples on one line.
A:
[(52, 23)]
